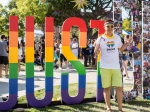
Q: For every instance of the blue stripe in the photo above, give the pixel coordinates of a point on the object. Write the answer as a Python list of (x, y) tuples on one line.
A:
[(13, 86), (99, 82), (29, 85), (49, 84), (82, 81), (64, 82)]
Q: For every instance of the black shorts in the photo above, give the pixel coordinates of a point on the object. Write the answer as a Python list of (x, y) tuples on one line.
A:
[(4, 60), (62, 58)]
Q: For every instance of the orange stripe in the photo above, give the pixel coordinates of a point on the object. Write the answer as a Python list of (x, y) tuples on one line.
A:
[(13, 39), (49, 36), (66, 38), (83, 39), (29, 39)]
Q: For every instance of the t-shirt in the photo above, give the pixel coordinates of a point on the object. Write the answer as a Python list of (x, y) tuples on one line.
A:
[(3, 51), (109, 51), (75, 45)]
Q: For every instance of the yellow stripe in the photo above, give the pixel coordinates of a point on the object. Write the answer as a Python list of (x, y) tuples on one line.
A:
[(49, 56), (98, 58), (13, 55), (68, 53), (29, 54)]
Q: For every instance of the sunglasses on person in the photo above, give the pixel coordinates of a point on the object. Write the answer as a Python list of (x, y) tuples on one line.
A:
[(110, 26)]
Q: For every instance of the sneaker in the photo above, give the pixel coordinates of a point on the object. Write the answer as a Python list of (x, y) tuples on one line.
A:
[(126, 78), (60, 68)]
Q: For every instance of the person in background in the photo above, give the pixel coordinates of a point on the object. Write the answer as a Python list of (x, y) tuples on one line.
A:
[(62, 58), (90, 51), (124, 58), (37, 58), (74, 47), (3, 56), (86, 53), (20, 51)]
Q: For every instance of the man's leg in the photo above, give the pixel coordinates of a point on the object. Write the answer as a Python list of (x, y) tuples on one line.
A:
[(117, 82), (5, 60), (1, 65), (107, 97), (6, 69), (106, 83), (119, 97)]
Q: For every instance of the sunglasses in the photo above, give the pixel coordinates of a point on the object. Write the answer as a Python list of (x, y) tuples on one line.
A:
[(110, 26)]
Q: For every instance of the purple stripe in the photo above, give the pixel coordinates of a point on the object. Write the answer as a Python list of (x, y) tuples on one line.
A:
[(39, 103), (10, 103), (99, 95), (73, 100)]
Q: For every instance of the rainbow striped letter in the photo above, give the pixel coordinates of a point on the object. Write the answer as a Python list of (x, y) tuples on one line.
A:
[(100, 25), (73, 60), (13, 65), (30, 63)]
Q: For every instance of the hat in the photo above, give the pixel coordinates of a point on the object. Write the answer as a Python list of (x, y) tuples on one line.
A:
[(109, 22)]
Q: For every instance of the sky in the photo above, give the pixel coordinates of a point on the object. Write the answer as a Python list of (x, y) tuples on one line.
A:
[(4, 2)]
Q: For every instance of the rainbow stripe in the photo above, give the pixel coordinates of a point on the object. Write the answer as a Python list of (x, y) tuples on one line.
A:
[(100, 26), (73, 60), (13, 65), (110, 44), (30, 63)]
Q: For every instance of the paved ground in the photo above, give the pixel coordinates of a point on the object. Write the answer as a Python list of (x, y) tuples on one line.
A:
[(40, 83)]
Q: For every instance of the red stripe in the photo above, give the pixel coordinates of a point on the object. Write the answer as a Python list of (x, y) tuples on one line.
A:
[(49, 24), (13, 20), (74, 21), (99, 25), (29, 24)]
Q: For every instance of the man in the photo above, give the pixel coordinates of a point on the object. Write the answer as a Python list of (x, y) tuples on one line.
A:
[(3, 56), (108, 45)]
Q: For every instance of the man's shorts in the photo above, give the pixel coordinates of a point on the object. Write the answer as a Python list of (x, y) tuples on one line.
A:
[(111, 77), (4, 60)]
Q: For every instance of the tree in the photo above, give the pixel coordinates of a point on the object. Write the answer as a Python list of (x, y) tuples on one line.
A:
[(31, 8), (4, 20), (62, 9)]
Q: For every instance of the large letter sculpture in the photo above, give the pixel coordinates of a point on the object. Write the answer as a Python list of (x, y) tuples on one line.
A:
[(100, 26), (13, 65), (74, 21), (30, 63)]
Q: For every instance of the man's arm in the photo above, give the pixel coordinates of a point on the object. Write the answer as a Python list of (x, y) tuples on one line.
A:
[(124, 46)]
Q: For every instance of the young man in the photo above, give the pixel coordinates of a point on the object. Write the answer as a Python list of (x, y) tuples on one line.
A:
[(3, 55), (108, 45)]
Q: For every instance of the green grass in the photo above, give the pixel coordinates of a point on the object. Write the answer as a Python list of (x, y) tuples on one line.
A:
[(144, 105)]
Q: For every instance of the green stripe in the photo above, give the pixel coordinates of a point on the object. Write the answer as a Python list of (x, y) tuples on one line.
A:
[(98, 68), (13, 70), (29, 70), (79, 67), (49, 69)]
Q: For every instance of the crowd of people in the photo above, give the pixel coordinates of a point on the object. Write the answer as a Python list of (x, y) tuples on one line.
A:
[(146, 76), (81, 53)]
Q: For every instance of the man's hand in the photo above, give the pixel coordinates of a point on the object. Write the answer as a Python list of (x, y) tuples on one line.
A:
[(129, 40), (97, 49)]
